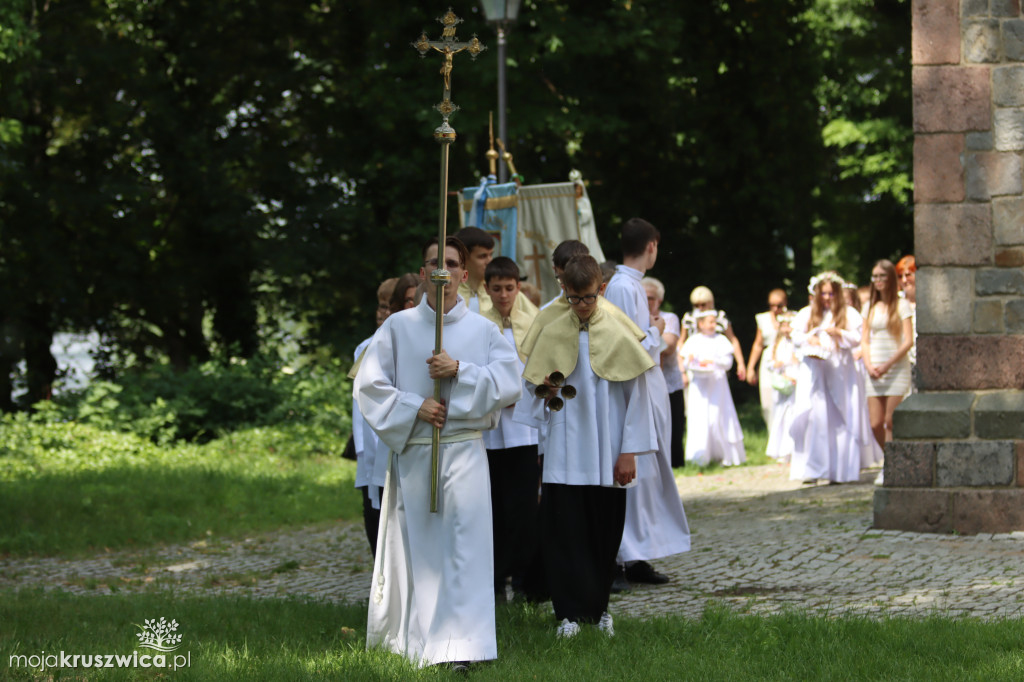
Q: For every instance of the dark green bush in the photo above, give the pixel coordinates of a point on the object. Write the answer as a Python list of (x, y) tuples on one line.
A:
[(207, 401)]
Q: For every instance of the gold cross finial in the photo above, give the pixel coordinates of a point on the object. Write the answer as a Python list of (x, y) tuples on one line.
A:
[(449, 46)]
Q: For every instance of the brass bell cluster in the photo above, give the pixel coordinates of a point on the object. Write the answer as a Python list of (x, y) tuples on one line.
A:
[(551, 393)]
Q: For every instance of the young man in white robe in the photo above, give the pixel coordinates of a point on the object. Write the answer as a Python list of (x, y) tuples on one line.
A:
[(480, 246), (512, 451), (656, 524), (364, 440), (596, 433), (432, 597)]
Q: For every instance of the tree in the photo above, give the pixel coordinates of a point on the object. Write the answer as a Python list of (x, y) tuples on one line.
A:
[(183, 176)]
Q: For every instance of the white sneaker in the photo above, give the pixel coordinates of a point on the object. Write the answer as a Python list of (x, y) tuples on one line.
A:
[(605, 624), (567, 629)]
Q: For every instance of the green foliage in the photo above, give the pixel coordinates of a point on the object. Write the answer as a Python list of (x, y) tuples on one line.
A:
[(206, 401), (865, 119), (181, 180)]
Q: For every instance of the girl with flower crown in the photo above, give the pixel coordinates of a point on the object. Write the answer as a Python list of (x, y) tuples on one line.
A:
[(714, 433), (831, 433)]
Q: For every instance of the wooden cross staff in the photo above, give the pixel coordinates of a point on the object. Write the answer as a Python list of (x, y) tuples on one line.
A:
[(449, 46)]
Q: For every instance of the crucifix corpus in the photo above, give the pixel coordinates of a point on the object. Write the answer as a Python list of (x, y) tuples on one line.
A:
[(449, 46)]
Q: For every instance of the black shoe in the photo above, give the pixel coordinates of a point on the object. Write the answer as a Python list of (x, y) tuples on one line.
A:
[(643, 572), (620, 584)]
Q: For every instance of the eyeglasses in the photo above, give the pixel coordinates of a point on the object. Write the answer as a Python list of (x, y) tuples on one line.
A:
[(878, 278), (576, 300)]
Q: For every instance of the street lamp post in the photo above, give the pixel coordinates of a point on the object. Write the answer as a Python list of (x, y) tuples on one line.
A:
[(501, 13)]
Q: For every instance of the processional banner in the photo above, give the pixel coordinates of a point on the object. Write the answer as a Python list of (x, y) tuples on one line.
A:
[(530, 221)]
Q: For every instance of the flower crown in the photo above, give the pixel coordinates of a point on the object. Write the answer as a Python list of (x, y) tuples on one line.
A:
[(827, 276), (698, 314)]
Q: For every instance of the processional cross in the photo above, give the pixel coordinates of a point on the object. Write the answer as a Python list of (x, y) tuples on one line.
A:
[(449, 46)]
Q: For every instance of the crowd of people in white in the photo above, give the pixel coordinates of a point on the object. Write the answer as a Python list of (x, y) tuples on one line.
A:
[(830, 375)]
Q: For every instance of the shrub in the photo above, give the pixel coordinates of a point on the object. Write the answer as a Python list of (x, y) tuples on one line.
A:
[(204, 402)]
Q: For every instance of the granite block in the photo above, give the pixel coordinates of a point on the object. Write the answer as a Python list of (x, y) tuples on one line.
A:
[(935, 32), (999, 415), (1008, 86), (943, 300), (1008, 129), (981, 41), (1008, 220), (909, 464), (953, 234), (988, 511), (974, 463), (966, 363), (938, 169), (996, 281), (923, 510), (933, 416), (951, 99), (988, 317)]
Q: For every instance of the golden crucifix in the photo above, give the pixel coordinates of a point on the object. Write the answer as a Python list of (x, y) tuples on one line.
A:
[(449, 46)]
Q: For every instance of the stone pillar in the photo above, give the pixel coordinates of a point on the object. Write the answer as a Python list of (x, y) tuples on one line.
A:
[(957, 461)]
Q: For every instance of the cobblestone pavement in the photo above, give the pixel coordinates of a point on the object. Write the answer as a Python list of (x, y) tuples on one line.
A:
[(761, 544)]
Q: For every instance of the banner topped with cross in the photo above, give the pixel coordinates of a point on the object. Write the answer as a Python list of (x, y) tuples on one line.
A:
[(528, 222)]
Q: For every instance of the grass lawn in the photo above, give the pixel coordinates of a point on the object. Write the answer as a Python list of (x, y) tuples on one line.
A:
[(244, 639), (70, 489)]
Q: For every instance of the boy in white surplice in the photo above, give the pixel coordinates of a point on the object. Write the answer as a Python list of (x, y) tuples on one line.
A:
[(598, 420)]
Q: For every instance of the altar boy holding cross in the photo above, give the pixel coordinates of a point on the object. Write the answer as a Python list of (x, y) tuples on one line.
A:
[(432, 597)]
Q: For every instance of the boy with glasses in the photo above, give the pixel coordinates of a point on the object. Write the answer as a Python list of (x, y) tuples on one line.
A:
[(593, 401)]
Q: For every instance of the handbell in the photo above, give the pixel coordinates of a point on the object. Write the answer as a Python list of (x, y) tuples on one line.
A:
[(542, 391), (556, 404), (568, 392), (556, 378)]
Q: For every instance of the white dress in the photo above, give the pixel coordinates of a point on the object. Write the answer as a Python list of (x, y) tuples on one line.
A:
[(831, 430), (432, 597), (783, 369), (883, 345), (655, 521), (713, 433), (768, 328)]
